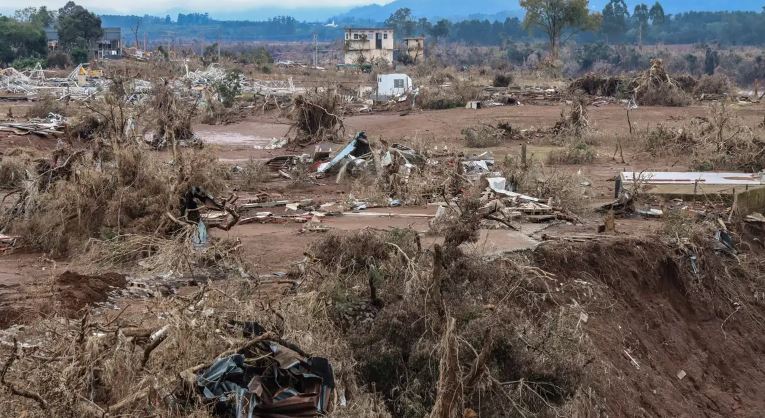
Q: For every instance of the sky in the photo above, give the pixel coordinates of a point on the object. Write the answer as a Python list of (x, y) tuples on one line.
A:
[(160, 7)]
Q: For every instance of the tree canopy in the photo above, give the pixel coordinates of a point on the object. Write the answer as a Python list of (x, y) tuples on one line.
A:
[(20, 39), (402, 22), (556, 18), (77, 27), (615, 16)]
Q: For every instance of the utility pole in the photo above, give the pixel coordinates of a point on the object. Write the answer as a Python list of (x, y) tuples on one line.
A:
[(315, 50)]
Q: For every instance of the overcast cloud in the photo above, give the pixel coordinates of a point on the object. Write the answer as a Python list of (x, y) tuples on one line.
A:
[(160, 6)]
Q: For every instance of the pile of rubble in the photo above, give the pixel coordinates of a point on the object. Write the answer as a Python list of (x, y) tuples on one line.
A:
[(52, 126), (81, 84)]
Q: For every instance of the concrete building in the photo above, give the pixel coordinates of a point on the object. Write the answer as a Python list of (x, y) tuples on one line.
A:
[(368, 45), (415, 48), (108, 46), (51, 35)]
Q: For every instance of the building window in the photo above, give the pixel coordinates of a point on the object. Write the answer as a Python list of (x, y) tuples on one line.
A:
[(385, 36), (356, 36), (398, 83)]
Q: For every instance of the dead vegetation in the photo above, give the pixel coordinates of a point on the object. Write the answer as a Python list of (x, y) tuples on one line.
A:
[(77, 196), (316, 118), (485, 135), (170, 117), (598, 85), (574, 122), (446, 91), (15, 165), (720, 141), (653, 87), (446, 303), (715, 85), (576, 153)]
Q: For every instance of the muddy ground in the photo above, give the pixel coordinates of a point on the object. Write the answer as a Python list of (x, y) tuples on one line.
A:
[(275, 247), (652, 315)]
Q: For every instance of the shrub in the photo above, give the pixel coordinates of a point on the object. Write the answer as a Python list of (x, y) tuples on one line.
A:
[(502, 80), (58, 60), (664, 95), (79, 55), (713, 84), (483, 136), (45, 106), (579, 153)]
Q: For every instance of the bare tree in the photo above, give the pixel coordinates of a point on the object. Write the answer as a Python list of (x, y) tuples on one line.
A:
[(134, 28)]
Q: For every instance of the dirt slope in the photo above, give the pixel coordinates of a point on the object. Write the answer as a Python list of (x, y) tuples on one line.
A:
[(645, 300)]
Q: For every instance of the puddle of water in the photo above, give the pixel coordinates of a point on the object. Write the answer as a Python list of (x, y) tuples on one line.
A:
[(233, 138)]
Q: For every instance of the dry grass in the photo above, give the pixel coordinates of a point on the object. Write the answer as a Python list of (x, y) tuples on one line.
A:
[(44, 106), (125, 192), (16, 167), (563, 188), (575, 121), (718, 142), (577, 153), (94, 365), (484, 136), (382, 281), (254, 174), (717, 84)]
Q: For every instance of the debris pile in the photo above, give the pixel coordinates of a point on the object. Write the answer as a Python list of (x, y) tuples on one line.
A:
[(81, 84), (653, 87), (598, 85), (316, 118), (266, 378), (575, 122), (52, 126)]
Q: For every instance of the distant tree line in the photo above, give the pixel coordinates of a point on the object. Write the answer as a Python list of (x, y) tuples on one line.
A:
[(22, 36)]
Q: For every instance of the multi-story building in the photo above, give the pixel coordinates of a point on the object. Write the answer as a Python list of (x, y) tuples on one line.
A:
[(368, 45)]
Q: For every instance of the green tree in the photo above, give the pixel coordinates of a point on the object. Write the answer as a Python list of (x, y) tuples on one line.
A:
[(41, 17), (440, 30), (557, 17), (711, 61), (615, 16), (658, 18), (77, 27), (641, 17), (229, 87), (78, 54), (20, 40), (692, 62), (401, 21)]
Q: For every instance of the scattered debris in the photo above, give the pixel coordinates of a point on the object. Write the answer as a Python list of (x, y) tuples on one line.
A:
[(268, 378), (53, 126)]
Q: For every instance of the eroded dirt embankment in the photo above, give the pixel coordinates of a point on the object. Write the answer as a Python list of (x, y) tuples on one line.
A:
[(66, 294), (696, 337)]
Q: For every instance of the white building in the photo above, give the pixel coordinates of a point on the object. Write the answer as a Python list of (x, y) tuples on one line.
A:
[(368, 45), (393, 84)]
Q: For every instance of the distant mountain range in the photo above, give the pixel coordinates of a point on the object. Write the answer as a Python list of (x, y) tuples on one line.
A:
[(432, 9), (460, 9)]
